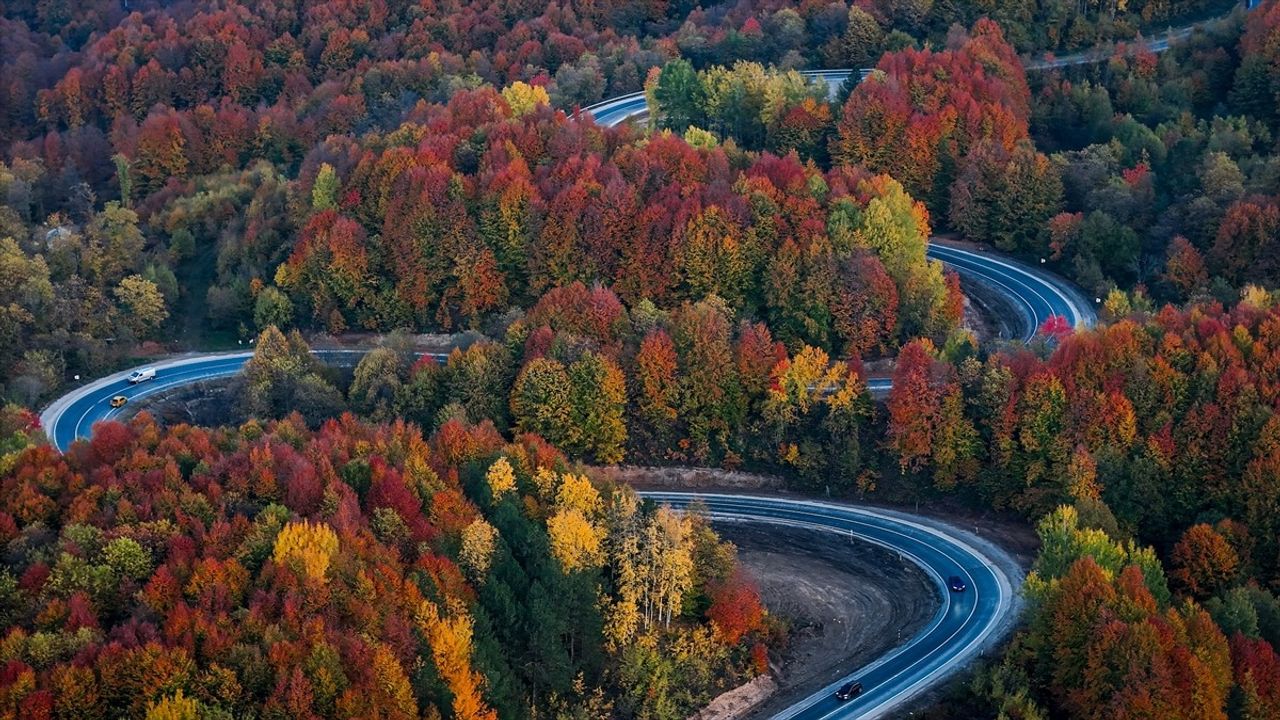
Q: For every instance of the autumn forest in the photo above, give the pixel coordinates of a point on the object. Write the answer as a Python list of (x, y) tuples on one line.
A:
[(737, 278)]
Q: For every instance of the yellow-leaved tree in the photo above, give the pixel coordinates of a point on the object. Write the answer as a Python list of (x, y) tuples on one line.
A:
[(667, 564), (624, 520), (306, 547), (174, 707), (524, 98), (574, 540), (577, 493), (699, 138), (546, 481), (479, 539), (500, 478)]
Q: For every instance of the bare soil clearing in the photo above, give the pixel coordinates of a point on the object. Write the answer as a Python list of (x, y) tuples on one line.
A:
[(847, 601), (644, 477)]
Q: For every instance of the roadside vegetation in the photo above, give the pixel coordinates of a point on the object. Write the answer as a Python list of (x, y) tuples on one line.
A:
[(709, 292)]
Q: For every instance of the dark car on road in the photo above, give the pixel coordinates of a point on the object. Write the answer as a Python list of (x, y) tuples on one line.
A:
[(956, 583), (849, 691)]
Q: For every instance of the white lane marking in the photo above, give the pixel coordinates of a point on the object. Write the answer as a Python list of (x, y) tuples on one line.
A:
[(1081, 317), (617, 99)]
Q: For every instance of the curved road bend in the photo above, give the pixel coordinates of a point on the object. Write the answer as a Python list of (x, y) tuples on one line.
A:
[(72, 416), (959, 631), (1035, 295)]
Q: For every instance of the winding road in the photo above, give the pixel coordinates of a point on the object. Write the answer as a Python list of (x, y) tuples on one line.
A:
[(964, 622), (1032, 294)]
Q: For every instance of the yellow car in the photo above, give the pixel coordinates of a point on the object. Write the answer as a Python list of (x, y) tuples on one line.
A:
[(119, 401)]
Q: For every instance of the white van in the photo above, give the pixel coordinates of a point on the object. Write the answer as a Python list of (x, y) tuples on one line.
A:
[(142, 375)]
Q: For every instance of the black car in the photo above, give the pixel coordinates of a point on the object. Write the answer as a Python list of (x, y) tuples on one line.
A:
[(849, 690), (956, 583)]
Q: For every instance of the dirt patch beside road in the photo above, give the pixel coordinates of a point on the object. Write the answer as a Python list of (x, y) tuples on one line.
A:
[(208, 403), (421, 343), (739, 701), (848, 602)]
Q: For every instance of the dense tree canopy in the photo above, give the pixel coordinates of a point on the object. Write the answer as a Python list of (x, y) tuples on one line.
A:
[(349, 571), (703, 293)]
